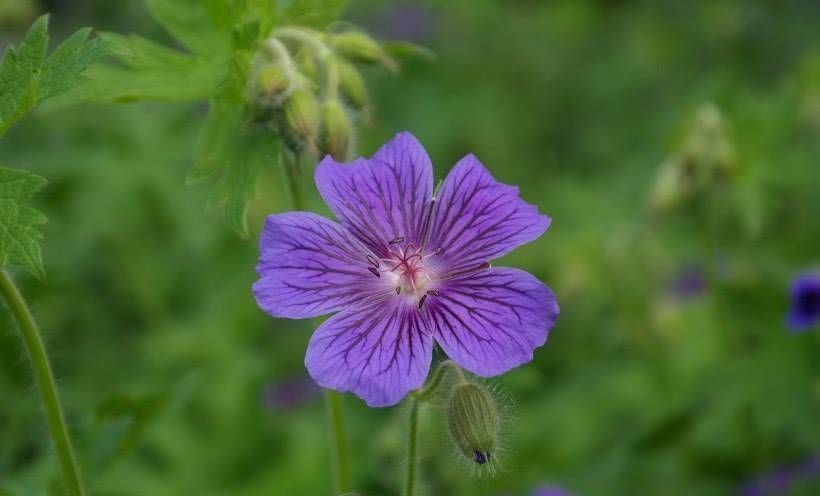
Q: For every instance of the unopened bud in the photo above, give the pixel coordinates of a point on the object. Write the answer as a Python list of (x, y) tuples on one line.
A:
[(307, 64), (302, 114), (472, 419), (359, 47), (337, 130), (271, 80), (351, 83)]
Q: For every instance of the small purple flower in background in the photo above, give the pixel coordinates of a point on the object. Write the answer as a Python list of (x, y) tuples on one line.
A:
[(689, 282), (549, 491), (407, 21), (805, 305), (289, 394), (403, 269), (780, 481)]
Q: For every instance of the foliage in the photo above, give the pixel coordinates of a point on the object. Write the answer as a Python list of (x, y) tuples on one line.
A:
[(27, 77), (641, 389), (19, 232)]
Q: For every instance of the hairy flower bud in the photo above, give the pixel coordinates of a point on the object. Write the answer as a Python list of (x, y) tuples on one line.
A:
[(336, 130), (301, 111), (351, 83), (472, 418), (359, 47), (307, 64), (271, 80)]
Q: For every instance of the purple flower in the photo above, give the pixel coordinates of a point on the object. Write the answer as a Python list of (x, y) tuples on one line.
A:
[(402, 269), (805, 308), (549, 491)]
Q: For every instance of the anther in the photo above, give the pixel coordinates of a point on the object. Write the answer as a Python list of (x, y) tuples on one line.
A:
[(421, 301), (398, 289), (398, 239), (372, 260), (481, 458), (374, 271), (432, 292)]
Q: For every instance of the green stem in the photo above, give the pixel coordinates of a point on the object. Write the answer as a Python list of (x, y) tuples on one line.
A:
[(333, 400), (412, 442), (45, 384), (427, 392), (341, 472)]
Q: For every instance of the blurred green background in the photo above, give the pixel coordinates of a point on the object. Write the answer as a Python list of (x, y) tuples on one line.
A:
[(676, 146)]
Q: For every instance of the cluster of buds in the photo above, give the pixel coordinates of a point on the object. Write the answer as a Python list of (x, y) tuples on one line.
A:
[(705, 160), (306, 84)]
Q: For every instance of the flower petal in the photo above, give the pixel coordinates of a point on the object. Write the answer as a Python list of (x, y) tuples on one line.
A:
[(382, 198), (477, 219), (491, 321), (379, 351), (310, 266)]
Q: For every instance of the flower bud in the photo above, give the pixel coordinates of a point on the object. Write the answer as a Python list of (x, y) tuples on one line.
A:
[(337, 130), (359, 47), (271, 81), (351, 83), (302, 114), (472, 419), (307, 64)]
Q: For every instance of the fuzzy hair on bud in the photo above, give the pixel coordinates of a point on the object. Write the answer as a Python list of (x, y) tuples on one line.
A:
[(302, 114), (359, 47), (336, 133), (352, 85), (473, 422), (271, 81)]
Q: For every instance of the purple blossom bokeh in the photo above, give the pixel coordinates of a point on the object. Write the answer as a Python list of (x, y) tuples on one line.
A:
[(689, 282), (290, 393), (781, 480), (404, 20), (805, 302), (402, 269), (549, 491)]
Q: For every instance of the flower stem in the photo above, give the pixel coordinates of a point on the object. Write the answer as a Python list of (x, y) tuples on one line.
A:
[(336, 417), (45, 384), (333, 400), (412, 442)]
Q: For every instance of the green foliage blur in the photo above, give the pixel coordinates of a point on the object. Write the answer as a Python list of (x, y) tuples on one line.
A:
[(676, 146)]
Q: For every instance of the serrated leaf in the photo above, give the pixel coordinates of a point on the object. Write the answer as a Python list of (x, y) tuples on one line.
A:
[(27, 78), (19, 233), (204, 26), (147, 71), (313, 13), (64, 67), (233, 150), (20, 72)]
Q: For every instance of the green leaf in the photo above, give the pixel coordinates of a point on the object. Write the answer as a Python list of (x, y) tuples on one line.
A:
[(313, 13), (147, 71), (19, 233), (233, 150), (64, 67), (20, 73), (27, 79), (204, 26)]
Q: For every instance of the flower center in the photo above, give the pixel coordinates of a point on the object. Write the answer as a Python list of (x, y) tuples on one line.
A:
[(406, 267)]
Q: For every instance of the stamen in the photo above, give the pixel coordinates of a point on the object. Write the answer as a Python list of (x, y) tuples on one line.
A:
[(396, 240), (472, 270), (421, 301), (398, 289), (373, 261), (432, 292), (374, 271)]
